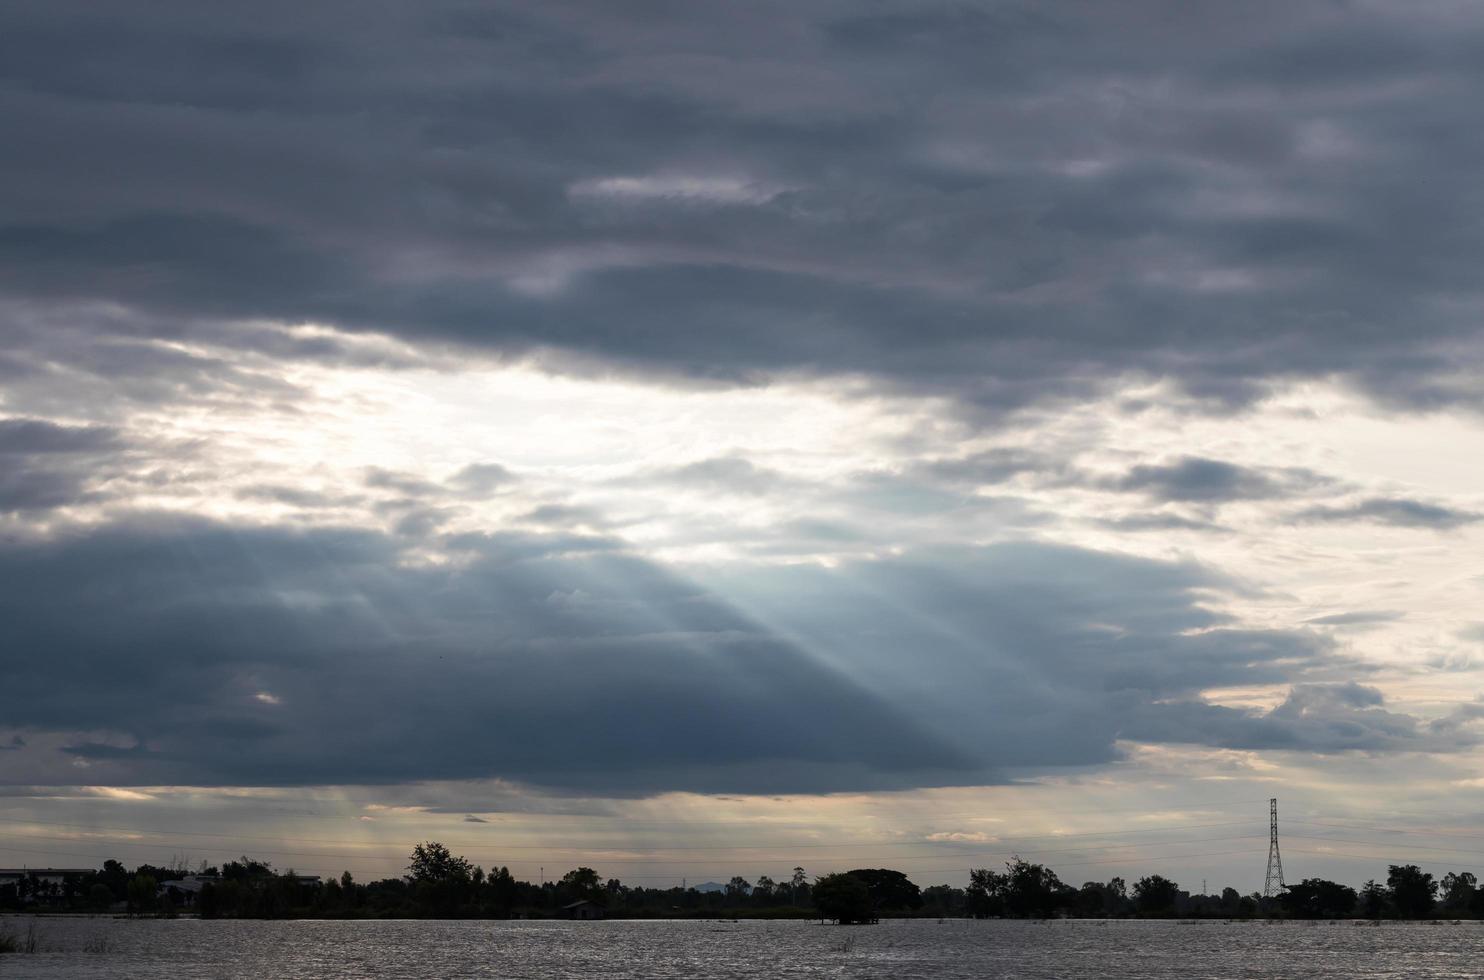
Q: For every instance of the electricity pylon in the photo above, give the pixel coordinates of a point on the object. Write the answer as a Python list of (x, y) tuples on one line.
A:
[(1275, 860)]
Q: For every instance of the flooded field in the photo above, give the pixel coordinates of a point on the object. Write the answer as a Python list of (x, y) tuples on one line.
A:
[(122, 948)]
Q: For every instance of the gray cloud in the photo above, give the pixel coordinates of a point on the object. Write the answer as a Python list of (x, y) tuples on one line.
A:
[(312, 657), (991, 466), (406, 484), (1041, 656), (722, 474), (1395, 511), (315, 657), (1159, 522), (24, 436), (1363, 617), (1325, 718), (1199, 480), (44, 464), (1001, 205), (296, 496), (482, 479)]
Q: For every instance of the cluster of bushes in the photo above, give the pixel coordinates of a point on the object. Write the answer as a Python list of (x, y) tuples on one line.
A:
[(1030, 890)]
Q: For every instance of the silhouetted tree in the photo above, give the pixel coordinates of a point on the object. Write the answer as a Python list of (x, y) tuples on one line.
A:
[(207, 906), (944, 900), (1155, 895), (1032, 890), (799, 887), (142, 893), (1373, 900), (116, 878), (1316, 898), (1096, 899), (99, 897), (844, 898), (1411, 890), (986, 893), (582, 883), (432, 862), (890, 890), (1457, 891)]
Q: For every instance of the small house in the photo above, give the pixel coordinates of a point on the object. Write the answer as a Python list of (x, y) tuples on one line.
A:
[(583, 909)]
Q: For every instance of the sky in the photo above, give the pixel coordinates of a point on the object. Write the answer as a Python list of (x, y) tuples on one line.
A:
[(696, 439)]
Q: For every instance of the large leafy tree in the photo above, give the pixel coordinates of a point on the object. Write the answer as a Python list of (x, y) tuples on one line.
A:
[(986, 892), (1412, 891), (432, 862), (1155, 895), (890, 889), (583, 883), (1033, 890), (1373, 900), (1458, 890), (1316, 898), (844, 898)]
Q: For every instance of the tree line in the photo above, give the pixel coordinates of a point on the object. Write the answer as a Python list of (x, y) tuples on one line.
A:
[(440, 884)]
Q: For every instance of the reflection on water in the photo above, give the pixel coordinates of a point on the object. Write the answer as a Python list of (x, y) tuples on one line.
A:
[(121, 948)]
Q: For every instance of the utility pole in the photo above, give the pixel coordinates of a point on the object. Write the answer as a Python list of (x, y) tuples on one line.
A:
[(1275, 860)]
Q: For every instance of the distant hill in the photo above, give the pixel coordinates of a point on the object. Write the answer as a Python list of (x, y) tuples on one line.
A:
[(709, 886)]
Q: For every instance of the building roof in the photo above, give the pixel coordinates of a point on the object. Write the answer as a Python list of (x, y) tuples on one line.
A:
[(22, 872)]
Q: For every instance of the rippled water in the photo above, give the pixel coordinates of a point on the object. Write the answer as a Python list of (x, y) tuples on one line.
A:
[(122, 948)]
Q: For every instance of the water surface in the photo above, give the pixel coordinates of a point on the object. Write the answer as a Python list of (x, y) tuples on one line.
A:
[(124, 948)]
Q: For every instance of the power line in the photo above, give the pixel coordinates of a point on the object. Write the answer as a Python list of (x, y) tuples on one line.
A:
[(1391, 845), (1415, 831), (1371, 858), (715, 873), (782, 845), (967, 852)]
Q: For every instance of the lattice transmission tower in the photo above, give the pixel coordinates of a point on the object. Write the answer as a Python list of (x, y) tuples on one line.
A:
[(1275, 860)]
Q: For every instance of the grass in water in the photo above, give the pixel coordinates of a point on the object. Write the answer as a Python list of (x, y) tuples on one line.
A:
[(29, 943)]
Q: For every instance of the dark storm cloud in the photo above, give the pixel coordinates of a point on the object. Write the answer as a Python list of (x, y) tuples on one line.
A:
[(1001, 202), (277, 657), (1395, 511), (45, 465), (271, 656), (37, 437), (1037, 655)]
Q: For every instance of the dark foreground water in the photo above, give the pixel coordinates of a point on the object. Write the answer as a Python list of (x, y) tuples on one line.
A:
[(122, 948)]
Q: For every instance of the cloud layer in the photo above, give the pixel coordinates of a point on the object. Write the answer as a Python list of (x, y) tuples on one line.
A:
[(999, 203), (186, 652)]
